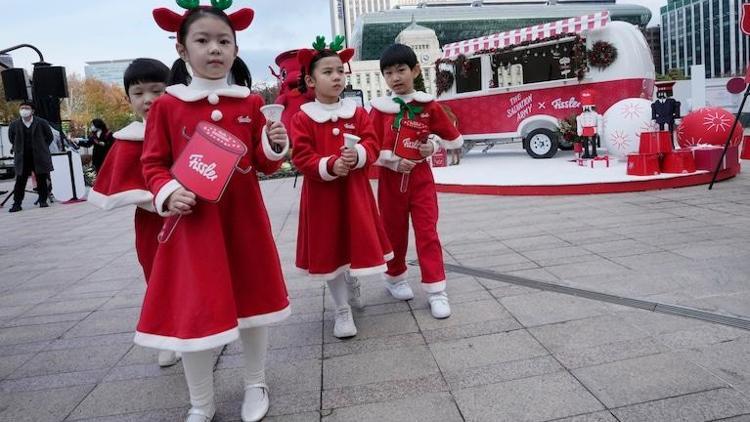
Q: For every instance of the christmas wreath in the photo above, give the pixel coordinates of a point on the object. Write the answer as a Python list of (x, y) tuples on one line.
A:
[(443, 81), (602, 54)]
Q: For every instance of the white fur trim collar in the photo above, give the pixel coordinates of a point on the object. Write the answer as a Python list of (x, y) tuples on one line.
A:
[(196, 92), (321, 113), (387, 105), (133, 132)]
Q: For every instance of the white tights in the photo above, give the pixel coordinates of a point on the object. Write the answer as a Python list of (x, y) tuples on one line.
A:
[(339, 292), (199, 371)]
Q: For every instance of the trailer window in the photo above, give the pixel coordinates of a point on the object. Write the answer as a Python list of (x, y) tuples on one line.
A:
[(469, 78), (536, 64)]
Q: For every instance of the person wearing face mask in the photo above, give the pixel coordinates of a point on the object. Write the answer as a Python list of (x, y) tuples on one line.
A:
[(30, 137), (101, 138)]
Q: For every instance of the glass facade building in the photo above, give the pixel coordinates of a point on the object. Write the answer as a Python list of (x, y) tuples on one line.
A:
[(374, 31), (704, 32)]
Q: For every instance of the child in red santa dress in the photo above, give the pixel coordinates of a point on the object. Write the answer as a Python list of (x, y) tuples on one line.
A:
[(406, 186), (218, 277), (120, 181), (339, 226)]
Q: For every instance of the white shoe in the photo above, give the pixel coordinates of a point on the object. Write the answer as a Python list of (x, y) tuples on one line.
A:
[(439, 305), (168, 358), (200, 415), (256, 403), (400, 290), (343, 325), (355, 292)]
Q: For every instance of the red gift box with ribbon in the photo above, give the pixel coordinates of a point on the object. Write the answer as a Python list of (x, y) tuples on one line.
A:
[(208, 161), (411, 134), (707, 157)]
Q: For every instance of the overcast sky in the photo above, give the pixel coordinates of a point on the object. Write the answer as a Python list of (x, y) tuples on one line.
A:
[(71, 32)]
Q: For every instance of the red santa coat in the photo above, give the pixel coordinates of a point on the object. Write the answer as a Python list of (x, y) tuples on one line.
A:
[(220, 269), (120, 183), (339, 226), (419, 199)]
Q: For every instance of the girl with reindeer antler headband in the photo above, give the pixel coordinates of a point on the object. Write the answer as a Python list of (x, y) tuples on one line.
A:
[(218, 277), (339, 227)]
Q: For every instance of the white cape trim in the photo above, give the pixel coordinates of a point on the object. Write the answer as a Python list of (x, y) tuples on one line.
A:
[(138, 197), (387, 105), (321, 113), (135, 131), (188, 94)]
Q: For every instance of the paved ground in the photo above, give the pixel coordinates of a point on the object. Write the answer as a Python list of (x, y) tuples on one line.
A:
[(70, 289)]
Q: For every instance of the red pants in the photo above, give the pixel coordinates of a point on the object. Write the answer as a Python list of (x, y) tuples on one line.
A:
[(419, 200)]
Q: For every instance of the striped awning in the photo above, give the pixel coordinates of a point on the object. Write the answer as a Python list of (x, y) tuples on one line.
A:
[(532, 33)]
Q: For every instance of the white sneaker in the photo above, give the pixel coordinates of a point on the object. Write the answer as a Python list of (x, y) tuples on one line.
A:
[(256, 403), (400, 290), (168, 358), (355, 292), (439, 305), (200, 415), (343, 325)]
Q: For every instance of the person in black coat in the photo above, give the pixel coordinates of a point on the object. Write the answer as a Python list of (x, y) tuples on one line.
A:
[(101, 138), (30, 137)]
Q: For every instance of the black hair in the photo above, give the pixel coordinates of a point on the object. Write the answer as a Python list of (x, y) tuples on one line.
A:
[(99, 124), (179, 73), (144, 70), (26, 104), (318, 57), (396, 54)]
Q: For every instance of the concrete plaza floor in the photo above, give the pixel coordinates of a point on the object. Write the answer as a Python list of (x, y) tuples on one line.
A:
[(71, 288)]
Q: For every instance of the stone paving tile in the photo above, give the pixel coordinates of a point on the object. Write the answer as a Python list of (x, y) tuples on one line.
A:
[(71, 360), (34, 333), (727, 360), (603, 416), (486, 350), (106, 322), (378, 366), (48, 382), (160, 415), (8, 364), (41, 406), (375, 326), (645, 378), (501, 372), (704, 406), (382, 391), (295, 335), (557, 308), (426, 408), (358, 345), (539, 398)]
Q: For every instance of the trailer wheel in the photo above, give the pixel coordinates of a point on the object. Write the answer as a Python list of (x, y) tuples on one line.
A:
[(541, 143)]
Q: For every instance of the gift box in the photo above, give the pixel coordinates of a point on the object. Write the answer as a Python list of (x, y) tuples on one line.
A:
[(643, 164), (440, 158), (679, 161), (707, 157), (655, 142)]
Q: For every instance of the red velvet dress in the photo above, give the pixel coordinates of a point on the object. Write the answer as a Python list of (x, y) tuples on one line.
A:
[(339, 226), (219, 271)]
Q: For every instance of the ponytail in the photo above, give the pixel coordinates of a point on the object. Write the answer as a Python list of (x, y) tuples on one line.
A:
[(179, 73), (240, 74)]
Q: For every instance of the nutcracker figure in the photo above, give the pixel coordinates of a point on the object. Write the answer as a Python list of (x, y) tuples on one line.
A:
[(665, 110), (589, 124)]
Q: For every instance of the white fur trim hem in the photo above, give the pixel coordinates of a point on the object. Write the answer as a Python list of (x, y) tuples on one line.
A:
[(361, 156), (129, 197), (436, 287), (393, 279), (388, 160), (357, 272), (162, 196), (265, 319), (435, 141), (323, 170), (156, 341), (270, 153), (133, 132)]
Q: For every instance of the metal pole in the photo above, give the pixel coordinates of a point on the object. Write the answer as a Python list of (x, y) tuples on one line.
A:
[(729, 138)]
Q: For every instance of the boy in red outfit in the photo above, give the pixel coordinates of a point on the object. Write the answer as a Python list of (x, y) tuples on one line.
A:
[(406, 187)]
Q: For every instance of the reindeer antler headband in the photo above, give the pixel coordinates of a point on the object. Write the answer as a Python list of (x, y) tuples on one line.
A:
[(171, 21), (305, 56)]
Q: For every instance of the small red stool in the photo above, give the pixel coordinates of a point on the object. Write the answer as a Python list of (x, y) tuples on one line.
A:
[(655, 142), (643, 164), (678, 161)]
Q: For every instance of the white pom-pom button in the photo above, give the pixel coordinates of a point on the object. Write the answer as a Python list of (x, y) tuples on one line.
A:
[(216, 115), (336, 131), (213, 99), (334, 118)]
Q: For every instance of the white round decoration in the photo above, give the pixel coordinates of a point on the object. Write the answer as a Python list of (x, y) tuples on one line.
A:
[(623, 124)]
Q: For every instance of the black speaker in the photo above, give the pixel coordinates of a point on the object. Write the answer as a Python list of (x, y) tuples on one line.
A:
[(50, 81), (15, 83)]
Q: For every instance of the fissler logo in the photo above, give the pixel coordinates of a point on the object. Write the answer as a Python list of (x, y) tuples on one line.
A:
[(408, 143), (560, 104), (206, 170)]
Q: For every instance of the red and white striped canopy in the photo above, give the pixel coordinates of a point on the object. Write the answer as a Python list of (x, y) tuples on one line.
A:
[(532, 33)]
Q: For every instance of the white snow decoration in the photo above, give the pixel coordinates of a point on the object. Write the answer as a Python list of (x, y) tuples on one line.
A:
[(623, 124)]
